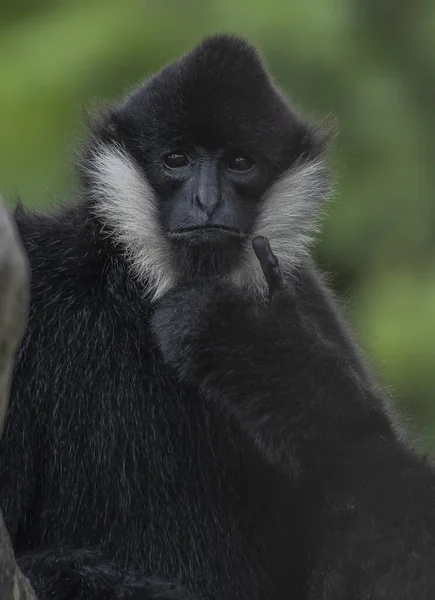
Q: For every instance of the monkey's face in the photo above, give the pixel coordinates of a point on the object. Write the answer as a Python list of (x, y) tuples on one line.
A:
[(208, 197), (208, 201), (200, 159)]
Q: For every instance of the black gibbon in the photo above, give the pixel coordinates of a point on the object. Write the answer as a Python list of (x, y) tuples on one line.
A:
[(189, 416)]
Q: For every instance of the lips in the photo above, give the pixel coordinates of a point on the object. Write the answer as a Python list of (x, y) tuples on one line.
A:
[(207, 231)]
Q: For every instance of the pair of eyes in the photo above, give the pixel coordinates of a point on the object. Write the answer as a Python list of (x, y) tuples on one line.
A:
[(239, 162)]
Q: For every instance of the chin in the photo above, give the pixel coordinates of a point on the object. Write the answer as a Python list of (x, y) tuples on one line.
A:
[(207, 254)]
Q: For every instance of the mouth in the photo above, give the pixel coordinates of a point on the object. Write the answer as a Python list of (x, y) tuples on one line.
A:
[(206, 231)]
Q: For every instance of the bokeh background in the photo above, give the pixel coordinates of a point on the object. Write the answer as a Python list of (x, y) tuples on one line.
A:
[(370, 63)]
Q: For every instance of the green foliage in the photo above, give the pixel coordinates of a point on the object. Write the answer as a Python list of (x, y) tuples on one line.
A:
[(371, 63)]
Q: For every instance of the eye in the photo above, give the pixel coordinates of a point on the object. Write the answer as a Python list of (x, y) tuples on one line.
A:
[(175, 160), (240, 163)]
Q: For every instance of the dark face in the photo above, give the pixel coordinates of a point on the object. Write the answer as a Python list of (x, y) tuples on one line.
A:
[(207, 198), (208, 201), (208, 194)]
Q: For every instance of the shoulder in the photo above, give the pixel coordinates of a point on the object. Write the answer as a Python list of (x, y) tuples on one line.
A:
[(64, 248)]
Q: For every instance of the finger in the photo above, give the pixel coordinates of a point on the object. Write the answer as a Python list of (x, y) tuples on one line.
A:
[(269, 263)]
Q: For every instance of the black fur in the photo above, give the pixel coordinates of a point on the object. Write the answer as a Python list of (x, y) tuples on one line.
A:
[(105, 450), (204, 447), (217, 94), (309, 407)]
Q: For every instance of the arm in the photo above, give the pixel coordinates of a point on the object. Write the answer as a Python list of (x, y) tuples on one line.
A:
[(310, 407), (87, 574), (281, 373)]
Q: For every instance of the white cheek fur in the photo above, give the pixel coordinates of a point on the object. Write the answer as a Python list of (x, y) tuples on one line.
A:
[(289, 218), (125, 202)]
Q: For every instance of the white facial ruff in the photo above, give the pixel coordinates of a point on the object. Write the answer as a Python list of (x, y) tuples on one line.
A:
[(289, 218), (126, 204)]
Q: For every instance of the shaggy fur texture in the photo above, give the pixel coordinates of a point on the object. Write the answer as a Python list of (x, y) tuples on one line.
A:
[(286, 375), (126, 204), (175, 439)]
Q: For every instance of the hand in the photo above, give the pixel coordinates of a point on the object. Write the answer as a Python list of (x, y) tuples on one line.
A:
[(195, 319)]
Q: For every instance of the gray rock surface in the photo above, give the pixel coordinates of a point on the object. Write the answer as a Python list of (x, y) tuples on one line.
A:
[(13, 312)]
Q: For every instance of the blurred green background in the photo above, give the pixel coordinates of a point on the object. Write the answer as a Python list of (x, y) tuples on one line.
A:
[(370, 63)]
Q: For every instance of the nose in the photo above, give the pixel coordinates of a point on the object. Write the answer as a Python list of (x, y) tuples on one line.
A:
[(206, 195), (206, 201)]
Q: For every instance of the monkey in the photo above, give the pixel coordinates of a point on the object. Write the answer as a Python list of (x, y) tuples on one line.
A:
[(190, 416), (117, 480)]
